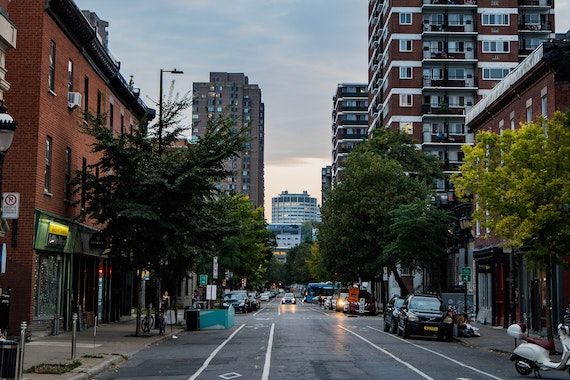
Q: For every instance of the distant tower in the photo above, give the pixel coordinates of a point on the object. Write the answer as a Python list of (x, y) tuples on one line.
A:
[(232, 94), (294, 208)]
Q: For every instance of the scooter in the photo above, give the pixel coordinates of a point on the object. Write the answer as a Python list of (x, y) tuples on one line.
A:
[(533, 354)]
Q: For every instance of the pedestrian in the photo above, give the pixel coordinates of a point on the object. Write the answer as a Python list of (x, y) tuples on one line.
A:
[(321, 300)]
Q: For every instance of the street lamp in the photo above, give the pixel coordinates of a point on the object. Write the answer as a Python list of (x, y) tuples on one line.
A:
[(174, 71), (7, 128), (465, 226)]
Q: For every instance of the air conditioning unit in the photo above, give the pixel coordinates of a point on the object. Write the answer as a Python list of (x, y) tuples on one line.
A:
[(73, 99)]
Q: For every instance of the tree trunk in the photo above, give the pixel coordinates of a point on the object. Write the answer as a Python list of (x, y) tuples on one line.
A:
[(139, 305), (404, 291)]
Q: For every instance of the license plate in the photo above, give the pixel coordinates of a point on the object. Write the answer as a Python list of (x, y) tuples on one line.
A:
[(431, 328)]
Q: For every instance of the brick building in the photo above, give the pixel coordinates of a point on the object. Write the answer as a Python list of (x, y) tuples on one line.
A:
[(539, 86), (56, 259), (233, 95)]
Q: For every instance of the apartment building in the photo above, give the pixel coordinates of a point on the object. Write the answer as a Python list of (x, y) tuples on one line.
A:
[(232, 95), (56, 261), (294, 208), (349, 123), (430, 61)]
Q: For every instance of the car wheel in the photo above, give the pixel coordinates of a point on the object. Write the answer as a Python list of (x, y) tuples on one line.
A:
[(405, 332), (386, 327)]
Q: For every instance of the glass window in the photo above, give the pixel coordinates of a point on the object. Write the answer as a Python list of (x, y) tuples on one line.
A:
[(85, 93), (544, 106), (406, 100), (405, 19), (48, 286), (67, 188), (405, 45), (405, 72), (496, 46), (48, 164), (51, 71), (529, 113), (495, 19), (495, 73), (70, 76), (111, 116)]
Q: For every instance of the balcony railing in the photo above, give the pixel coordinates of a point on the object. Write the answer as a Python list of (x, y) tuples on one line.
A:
[(442, 54), (545, 26), (430, 137), (444, 109), (353, 136), (535, 3), (450, 82), (448, 28), (451, 2)]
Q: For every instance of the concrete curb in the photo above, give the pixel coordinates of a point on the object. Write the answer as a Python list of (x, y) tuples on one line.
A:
[(116, 359)]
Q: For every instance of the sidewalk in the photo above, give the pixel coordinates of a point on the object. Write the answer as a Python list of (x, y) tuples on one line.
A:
[(113, 344), (494, 338)]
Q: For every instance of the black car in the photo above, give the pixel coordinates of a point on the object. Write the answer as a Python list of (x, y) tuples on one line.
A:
[(424, 314), (239, 301), (391, 314)]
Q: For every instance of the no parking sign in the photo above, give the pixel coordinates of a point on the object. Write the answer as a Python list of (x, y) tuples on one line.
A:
[(10, 205)]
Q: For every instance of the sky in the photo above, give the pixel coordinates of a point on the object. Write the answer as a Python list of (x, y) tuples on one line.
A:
[(297, 51)]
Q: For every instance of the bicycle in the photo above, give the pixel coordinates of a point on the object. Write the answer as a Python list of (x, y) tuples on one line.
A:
[(147, 322)]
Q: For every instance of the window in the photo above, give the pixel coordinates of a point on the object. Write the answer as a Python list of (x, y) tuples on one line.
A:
[(99, 99), (495, 73), (456, 73), (111, 116), (122, 123), (86, 94), (51, 71), (544, 106), (496, 47), (48, 163), (513, 123), (67, 185), (83, 179), (405, 45), (495, 19), (70, 76), (529, 113), (457, 19), (405, 19), (406, 100), (501, 126), (405, 72)]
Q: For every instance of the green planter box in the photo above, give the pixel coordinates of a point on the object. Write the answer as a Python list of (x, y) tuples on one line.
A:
[(217, 319)]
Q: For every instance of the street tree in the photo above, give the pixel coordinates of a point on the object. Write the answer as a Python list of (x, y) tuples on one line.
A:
[(297, 268), (520, 181), (151, 205), (381, 174)]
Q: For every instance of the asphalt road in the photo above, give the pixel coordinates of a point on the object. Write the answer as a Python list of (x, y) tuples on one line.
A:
[(305, 342)]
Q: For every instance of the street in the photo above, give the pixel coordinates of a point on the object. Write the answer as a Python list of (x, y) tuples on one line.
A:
[(304, 342)]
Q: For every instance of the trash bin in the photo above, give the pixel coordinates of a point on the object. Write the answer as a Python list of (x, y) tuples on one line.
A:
[(8, 358), (192, 318)]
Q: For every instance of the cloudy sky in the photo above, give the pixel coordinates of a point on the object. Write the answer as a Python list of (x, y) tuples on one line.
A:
[(296, 50)]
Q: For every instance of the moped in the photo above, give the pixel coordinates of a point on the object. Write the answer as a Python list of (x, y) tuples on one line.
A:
[(533, 354)]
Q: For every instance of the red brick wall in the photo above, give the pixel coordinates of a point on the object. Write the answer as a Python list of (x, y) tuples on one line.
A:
[(39, 113)]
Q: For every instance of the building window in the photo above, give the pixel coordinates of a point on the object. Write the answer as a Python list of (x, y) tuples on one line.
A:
[(496, 46), (83, 185), (122, 123), (405, 72), (86, 94), (406, 100), (48, 163), (495, 73), (99, 99), (67, 188), (405, 19), (495, 19), (501, 126), (111, 116), (513, 123), (544, 106), (405, 45), (70, 76), (51, 71), (529, 113)]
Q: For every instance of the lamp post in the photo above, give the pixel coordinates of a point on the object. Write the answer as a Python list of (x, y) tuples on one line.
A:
[(7, 128), (465, 226), (173, 71)]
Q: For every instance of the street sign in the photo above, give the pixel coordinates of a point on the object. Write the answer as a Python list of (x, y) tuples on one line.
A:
[(145, 275), (10, 205), (211, 291), (203, 279), (215, 268), (466, 274)]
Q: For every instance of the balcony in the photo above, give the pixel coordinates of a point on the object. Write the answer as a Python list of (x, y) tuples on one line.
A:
[(544, 27), (450, 166), (451, 82), (353, 136), (450, 2), (535, 3), (454, 55), (444, 28), (444, 138), (444, 109)]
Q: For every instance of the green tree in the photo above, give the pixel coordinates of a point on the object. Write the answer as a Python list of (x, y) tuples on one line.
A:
[(296, 266), (154, 208), (381, 174), (520, 181)]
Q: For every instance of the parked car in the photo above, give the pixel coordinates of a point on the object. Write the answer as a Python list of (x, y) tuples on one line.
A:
[(391, 314), (265, 296), (328, 304), (369, 304), (254, 300), (425, 314), (239, 301), (340, 302), (289, 298)]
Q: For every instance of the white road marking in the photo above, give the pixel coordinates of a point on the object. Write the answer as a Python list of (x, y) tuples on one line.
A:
[(263, 308), (267, 364), (62, 344), (230, 375), (278, 309), (422, 374), (439, 354), (213, 354)]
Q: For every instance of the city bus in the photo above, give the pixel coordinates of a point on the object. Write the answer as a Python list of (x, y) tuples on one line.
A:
[(316, 289)]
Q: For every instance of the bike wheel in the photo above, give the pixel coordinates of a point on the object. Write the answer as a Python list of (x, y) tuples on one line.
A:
[(145, 326)]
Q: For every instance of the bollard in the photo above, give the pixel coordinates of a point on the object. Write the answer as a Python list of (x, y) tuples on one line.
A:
[(73, 336), (21, 351)]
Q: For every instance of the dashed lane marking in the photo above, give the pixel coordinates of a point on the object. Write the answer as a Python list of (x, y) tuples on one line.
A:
[(267, 364)]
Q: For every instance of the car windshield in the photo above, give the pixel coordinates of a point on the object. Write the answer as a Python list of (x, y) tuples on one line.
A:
[(398, 302), (234, 296), (425, 303), (289, 295), (343, 295)]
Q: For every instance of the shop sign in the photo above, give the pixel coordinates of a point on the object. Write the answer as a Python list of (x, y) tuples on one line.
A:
[(57, 235), (97, 242)]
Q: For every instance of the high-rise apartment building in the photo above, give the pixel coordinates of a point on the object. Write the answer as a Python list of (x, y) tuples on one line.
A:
[(294, 208), (326, 182), (349, 122), (232, 95), (430, 61)]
